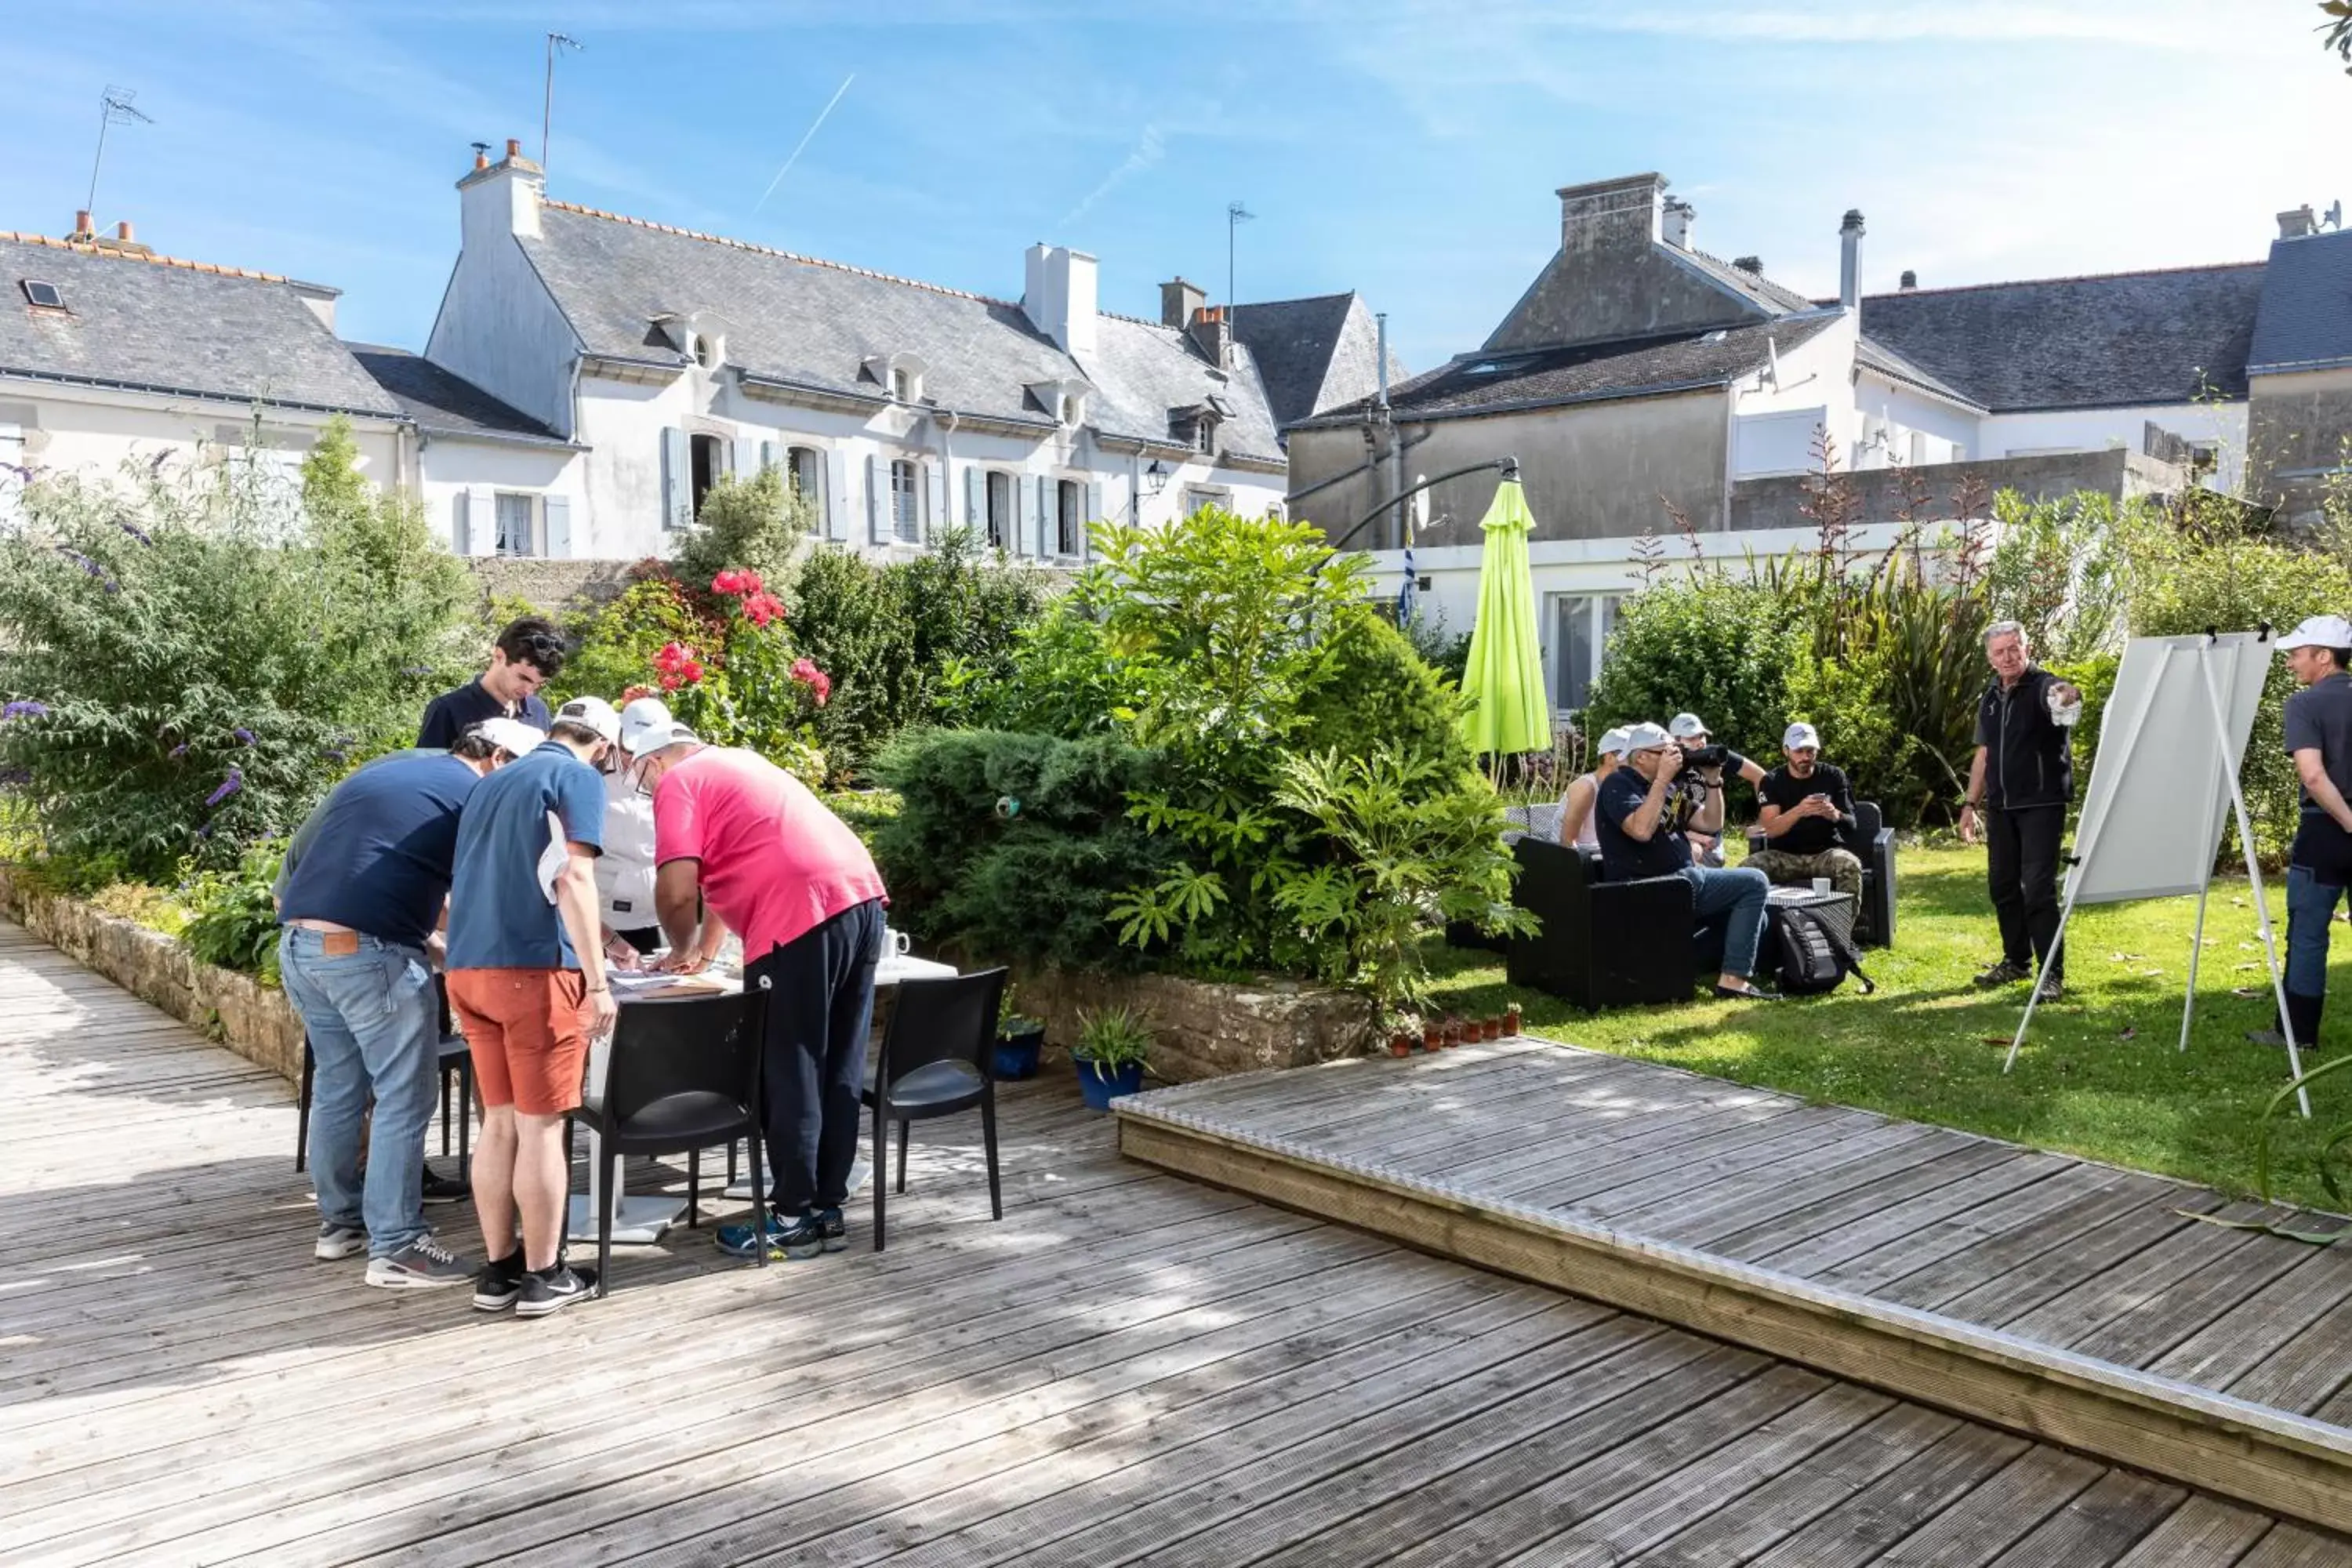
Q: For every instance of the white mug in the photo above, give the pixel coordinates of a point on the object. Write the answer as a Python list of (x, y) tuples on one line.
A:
[(1821, 887), (897, 943)]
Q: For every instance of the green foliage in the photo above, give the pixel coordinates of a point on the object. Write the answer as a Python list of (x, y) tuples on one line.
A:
[(1381, 692), (2058, 571), (1707, 645), (866, 811), (208, 652), (1112, 1040), (232, 917), (1014, 846), (613, 644), (758, 520)]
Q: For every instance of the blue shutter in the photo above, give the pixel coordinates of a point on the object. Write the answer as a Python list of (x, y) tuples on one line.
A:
[(1024, 512), (768, 456), (877, 500), (461, 531), (1048, 492), (677, 479), (936, 517), (1094, 515), (975, 500), (559, 527), (747, 457), (837, 493)]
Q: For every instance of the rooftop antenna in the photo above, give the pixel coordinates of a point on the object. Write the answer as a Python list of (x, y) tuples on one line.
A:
[(1235, 215), (547, 111), (2334, 216), (114, 108)]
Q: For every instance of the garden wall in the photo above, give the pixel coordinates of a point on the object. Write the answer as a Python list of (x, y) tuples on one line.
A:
[(553, 587), (1204, 1030), (252, 1020)]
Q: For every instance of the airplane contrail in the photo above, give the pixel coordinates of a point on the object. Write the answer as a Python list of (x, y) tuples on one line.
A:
[(803, 142)]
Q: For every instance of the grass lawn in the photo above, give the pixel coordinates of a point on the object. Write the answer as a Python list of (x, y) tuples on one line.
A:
[(2100, 1077)]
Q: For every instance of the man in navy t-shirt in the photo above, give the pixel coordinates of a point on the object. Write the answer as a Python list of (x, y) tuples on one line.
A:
[(2319, 865), (359, 907), (527, 654), (1637, 842), (527, 982)]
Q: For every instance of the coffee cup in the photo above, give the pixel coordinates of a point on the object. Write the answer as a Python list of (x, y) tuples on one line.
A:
[(1821, 887), (897, 943)]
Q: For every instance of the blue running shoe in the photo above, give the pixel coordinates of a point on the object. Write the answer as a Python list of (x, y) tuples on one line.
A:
[(800, 1238)]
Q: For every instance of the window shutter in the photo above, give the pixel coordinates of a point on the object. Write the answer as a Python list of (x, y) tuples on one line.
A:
[(1049, 495), (975, 500), (1094, 515), (835, 501), (877, 500), (559, 527), (747, 457), (482, 517), (1024, 511), (768, 456), (936, 515), (678, 479), (461, 539)]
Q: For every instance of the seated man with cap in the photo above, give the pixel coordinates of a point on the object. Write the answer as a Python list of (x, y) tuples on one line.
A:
[(1576, 819), (1697, 809), (1636, 841), (1808, 810)]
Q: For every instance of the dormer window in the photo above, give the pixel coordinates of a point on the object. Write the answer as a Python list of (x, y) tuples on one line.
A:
[(902, 385), (705, 353), (1070, 407), (43, 296), (700, 335), (1205, 434)]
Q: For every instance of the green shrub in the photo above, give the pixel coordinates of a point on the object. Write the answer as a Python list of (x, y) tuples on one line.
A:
[(1725, 650), (1381, 692), (232, 917), (614, 643), (758, 521), (194, 658)]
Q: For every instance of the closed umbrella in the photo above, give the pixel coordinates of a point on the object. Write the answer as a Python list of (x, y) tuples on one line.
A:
[(1505, 677)]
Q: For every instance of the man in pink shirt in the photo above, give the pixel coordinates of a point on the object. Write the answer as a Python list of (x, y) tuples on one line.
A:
[(741, 845)]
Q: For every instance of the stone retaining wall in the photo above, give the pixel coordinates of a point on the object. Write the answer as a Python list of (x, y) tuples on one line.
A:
[(252, 1020), (1204, 1030), (553, 587)]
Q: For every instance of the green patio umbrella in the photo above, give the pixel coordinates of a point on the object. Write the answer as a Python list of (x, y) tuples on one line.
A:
[(1504, 676)]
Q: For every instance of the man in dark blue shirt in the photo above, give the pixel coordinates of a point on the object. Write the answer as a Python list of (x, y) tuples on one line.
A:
[(1636, 842), (527, 654), (359, 909), (2319, 866)]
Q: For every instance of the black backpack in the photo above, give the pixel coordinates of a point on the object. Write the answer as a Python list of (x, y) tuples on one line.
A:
[(1809, 954)]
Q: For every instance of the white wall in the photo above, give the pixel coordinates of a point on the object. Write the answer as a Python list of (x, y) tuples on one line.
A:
[(452, 466), (93, 432), (2097, 429), (497, 326)]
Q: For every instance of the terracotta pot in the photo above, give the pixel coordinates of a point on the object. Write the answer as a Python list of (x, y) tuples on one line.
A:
[(1399, 1044), (1453, 1032), (1433, 1037), (1491, 1028), (1511, 1019)]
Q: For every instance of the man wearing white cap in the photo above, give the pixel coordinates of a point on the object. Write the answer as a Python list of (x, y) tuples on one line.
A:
[(527, 982), (625, 871), (1808, 805), (1698, 808), (1637, 842), (1576, 822), (2319, 866)]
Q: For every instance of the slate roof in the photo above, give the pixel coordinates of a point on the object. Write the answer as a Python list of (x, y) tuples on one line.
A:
[(1748, 285), (2305, 320), (1586, 373), (2105, 341), (1886, 362), (1314, 353), (815, 323), (155, 323), (440, 403)]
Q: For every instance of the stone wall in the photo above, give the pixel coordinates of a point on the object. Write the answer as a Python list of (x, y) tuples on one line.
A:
[(1879, 493), (1204, 1030), (252, 1020), (554, 588)]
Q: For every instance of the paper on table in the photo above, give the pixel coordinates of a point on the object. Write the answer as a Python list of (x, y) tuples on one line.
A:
[(552, 858)]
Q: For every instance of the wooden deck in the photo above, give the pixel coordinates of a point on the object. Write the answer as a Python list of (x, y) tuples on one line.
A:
[(1130, 1368), (2046, 1294)]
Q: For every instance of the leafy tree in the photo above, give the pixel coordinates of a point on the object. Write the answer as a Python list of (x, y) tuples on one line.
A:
[(2335, 32), (758, 521)]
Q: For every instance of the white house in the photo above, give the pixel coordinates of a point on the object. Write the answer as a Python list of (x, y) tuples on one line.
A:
[(671, 358)]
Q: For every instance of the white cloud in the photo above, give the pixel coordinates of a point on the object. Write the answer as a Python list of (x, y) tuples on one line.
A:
[(1149, 149)]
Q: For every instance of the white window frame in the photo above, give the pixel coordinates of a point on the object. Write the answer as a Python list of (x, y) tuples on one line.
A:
[(1599, 611), (906, 500), (805, 471), (533, 545), (999, 525)]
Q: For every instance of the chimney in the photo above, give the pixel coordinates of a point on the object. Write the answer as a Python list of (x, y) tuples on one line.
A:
[(1910, 280), (123, 232), (1850, 234), (1610, 214), (500, 201), (481, 154), (1178, 302), (1679, 215), (1213, 333), (2296, 224), (321, 300), (81, 230), (1058, 295)]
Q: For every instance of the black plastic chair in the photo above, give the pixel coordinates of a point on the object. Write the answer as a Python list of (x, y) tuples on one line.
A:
[(937, 1059), (456, 1065), (683, 1075), (1601, 943), (1874, 842)]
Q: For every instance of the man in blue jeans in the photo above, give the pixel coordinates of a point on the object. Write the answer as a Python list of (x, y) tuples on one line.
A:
[(2319, 866), (1636, 842), (360, 910)]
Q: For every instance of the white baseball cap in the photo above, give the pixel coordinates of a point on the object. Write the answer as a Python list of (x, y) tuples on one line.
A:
[(511, 736), (1645, 738), (1687, 727), (646, 726), (1800, 735), (1613, 743), (593, 713), (2319, 631)]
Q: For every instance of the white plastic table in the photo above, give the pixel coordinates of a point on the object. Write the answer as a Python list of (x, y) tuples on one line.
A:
[(641, 1221)]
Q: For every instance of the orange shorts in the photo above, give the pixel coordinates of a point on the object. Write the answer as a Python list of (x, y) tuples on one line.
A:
[(528, 1030)]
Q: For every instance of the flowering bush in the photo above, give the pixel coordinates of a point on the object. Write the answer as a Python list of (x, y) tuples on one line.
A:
[(743, 686)]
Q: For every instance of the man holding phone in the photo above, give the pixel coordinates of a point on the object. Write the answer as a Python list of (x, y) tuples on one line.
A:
[(1808, 807)]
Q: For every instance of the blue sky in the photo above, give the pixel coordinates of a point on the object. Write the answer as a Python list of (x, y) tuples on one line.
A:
[(1408, 150)]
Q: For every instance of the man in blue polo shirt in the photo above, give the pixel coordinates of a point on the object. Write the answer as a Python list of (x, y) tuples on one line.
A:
[(360, 905), (1637, 842), (527, 982)]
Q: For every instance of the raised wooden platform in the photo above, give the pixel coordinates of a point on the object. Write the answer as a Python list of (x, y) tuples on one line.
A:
[(2070, 1301)]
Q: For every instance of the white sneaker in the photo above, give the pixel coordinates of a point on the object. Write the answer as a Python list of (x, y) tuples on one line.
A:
[(337, 1242), (422, 1265)]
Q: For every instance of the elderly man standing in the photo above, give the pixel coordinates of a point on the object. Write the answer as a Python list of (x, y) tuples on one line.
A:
[(741, 844), (1636, 842), (1807, 804), (2319, 865), (2020, 779)]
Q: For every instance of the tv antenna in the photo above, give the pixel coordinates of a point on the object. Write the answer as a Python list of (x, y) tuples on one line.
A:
[(555, 41), (114, 108), (1236, 215), (2334, 216)]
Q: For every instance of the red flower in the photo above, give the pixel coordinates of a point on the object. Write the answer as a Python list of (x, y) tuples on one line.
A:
[(691, 669), (730, 581), (751, 584), (819, 683), (671, 657), (669, 682), (762, 606), (631, 693)]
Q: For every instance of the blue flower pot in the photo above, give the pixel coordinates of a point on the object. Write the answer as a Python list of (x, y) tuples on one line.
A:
[(1100, 1090), (1017, 1054)]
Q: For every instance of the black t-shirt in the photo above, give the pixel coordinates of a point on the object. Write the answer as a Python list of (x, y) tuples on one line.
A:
[(453, 713), (2319, 718), (1811, 835), (1624, 859)]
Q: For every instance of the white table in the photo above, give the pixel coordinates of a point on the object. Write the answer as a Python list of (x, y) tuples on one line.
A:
[(641, 1221)]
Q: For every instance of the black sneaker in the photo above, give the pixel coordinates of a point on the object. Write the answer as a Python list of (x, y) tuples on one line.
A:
[(555, 1289), (2002, 974), (441, 1189), (2052, 989), (499, 1284), (834, 1234)]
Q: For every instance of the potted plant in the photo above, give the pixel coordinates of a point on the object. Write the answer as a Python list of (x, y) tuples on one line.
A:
[(1019, 1038), (1403, 1029), (1110, 1053)]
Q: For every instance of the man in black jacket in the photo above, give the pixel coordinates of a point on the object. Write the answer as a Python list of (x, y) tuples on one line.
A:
[(2021, 780)]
